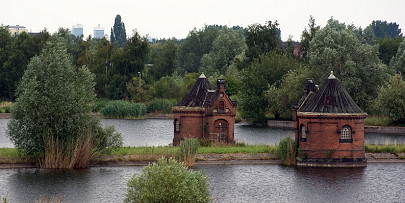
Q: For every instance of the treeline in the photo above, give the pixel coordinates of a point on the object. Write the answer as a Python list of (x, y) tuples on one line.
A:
[(264, 74)]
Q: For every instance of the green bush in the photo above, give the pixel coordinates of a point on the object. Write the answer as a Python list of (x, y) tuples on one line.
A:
[(161, 105), (286, 150), (168, 181), (123, 109)]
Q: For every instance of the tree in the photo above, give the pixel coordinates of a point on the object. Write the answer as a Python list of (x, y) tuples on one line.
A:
[(391, 99), (163, 57), (126, 63), (388, 48), (383, 29), (261, 39), (196, 44), (51, 116), (256, 79), (225, 47), (289, 92), (118, 33), (168, 88), (337, 48), (168, 181), (18, 54), (397, 62), (306, 37), (138, 90)]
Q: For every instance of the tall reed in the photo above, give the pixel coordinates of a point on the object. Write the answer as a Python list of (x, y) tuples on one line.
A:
[(187, 150), (287, 150), (71, 153)]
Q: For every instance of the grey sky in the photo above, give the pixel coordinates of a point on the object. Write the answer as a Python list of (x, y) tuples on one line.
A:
[(175, 18)]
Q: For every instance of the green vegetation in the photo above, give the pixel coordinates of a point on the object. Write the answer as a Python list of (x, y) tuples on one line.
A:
[(387, 148), (51, 116), (123, 109), (5, 107), (161, 105), (168, 181), (378, 121), (286, 151), (263, 74), (391, 99), (187, 150), (99, 104)]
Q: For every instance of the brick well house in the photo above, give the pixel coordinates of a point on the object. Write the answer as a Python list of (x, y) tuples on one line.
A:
[(205, 113), (329, 126)]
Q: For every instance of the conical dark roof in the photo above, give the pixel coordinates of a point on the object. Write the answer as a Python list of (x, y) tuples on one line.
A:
[(196, 96), (331, 98)]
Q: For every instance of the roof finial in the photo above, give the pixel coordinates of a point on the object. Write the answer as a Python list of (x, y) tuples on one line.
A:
[(202, 75), (331, 76)]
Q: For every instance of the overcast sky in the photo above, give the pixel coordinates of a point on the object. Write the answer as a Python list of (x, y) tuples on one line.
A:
[(175, 18)]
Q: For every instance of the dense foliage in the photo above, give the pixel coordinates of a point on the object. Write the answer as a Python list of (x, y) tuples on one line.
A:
[(391, 99), (337, 48), (136, 69), (53, 105), (168, 181), (123, 109)]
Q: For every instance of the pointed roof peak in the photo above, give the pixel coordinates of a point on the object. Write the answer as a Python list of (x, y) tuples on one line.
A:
[(202, 75), (331, 76)]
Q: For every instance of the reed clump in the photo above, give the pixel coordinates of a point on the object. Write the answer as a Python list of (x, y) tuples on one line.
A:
[(287, 150), (123, 109), (187, 150)]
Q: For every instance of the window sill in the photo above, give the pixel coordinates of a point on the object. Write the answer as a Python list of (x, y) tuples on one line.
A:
[(345, 140)]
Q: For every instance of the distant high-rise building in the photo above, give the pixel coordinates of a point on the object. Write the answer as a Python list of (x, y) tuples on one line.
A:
[(99, 32), (77, 30)]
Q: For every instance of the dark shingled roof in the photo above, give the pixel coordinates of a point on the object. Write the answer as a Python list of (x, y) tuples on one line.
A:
[(196, 96), (331, 98)]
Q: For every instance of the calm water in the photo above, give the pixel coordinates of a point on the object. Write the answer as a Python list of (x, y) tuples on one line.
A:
[(228, 183), (159, 132)]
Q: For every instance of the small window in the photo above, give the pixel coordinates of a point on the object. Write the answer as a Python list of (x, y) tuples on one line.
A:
[(303, 137), (346, 134), (221, 107), (176, 125)]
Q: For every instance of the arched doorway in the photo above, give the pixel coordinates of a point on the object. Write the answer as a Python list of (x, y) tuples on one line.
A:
[(221, 130)]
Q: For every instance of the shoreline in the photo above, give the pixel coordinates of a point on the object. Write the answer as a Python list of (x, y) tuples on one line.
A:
[(201, 159)]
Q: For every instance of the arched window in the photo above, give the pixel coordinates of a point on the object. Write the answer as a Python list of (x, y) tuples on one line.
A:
[(346, 134), (221, 107), (303, 137), (176, 125)]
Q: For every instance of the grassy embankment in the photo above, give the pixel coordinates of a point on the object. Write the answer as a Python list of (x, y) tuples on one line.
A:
[(11, 155)]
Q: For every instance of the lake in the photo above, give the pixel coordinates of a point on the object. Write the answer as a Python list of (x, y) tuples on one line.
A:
[(228, 183), (159, 132)]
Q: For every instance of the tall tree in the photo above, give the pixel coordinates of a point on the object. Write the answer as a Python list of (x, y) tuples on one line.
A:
[(51, 116), (383, 29), (118, 33), (397, 62), (388, 48), (337, 48), (306, 37), (261, 39), (256, 79), (163, 56), (225, 47), (196, 44)]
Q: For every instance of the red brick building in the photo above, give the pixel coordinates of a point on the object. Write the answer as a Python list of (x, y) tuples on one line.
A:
[(329, 126), (205, 113)]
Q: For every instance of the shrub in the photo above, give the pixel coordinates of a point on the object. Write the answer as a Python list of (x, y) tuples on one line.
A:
[(161, 105), (286, 150), (168, 181), (123, 109), (187, 150), (5, 107), (51, 114)]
